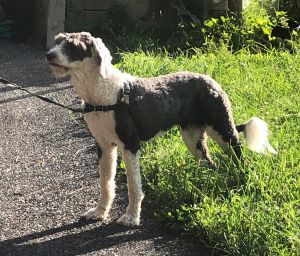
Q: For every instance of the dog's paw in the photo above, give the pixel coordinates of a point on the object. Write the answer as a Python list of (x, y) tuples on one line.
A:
[(129, 220), (96, 214)]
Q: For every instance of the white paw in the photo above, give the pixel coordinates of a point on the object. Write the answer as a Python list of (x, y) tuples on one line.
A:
[(96, 214), (129, 220)]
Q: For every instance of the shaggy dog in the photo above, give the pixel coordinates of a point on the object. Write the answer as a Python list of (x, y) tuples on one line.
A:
[(122, 110)]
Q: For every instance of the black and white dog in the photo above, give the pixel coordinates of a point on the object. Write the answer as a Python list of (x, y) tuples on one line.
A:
[(122, 110)]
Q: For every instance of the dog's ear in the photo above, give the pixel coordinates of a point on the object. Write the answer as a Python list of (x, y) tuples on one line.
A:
[(103, 57)]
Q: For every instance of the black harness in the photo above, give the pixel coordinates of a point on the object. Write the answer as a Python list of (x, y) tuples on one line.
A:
[(123, 98)]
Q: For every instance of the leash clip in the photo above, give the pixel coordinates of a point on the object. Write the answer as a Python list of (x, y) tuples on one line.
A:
[(126, 92)]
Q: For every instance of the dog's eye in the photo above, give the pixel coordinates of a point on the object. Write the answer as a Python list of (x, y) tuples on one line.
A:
[(76, 52)]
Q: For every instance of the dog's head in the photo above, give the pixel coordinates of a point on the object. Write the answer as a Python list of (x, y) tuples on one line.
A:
[(74, 51)]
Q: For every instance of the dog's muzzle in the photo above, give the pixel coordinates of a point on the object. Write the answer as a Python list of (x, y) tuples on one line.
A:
[(51, 57)]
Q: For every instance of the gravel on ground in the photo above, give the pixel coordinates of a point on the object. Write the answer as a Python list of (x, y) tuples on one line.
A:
[(49, 175)]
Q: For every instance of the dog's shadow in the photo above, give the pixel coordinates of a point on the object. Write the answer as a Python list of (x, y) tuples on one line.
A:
[(69, 239)]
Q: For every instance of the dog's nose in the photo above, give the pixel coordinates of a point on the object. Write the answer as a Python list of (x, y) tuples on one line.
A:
[(50, 56)]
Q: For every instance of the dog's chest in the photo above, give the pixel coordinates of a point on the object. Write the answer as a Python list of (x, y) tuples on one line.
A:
[(102, 126)]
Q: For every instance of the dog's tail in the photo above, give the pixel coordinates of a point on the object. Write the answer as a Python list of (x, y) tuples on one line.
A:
[(256, 134)]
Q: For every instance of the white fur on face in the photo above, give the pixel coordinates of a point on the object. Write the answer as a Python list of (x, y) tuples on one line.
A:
[(60, 59), (60, 62), (58, 72), (94, 78)]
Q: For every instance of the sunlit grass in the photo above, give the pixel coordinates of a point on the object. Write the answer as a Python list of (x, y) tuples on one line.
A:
[(262, 215)]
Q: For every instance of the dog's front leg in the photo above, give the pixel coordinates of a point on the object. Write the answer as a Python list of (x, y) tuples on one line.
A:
[(108, 164), (135, 194)]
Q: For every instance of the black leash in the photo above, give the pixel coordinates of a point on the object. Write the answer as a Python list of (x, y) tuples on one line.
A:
[(18, 87), (87, 108)]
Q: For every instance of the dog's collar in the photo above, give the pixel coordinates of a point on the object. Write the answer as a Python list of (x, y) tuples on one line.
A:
[(124, 98), (103, 108)]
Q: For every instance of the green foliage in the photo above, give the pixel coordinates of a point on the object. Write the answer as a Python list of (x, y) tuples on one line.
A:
[(253, 31), (262, 215), (172, 26)]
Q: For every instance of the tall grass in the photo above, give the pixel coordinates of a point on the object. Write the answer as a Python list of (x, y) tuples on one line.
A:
[(262, 215)]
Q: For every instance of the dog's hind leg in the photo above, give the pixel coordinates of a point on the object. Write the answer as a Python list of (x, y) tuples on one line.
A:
[(135, 193), (195, 140), (108, 163), (228, 139)]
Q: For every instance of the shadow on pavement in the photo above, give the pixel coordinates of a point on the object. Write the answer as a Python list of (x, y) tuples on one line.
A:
[(83, 242)]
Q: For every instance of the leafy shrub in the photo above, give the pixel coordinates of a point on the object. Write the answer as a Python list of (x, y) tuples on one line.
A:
[(253, 31), (175, 28)]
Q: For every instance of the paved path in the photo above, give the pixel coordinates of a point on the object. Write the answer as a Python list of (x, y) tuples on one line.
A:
[(49, 176)]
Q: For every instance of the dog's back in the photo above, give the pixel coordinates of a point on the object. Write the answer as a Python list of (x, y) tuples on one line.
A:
[(184, 98)]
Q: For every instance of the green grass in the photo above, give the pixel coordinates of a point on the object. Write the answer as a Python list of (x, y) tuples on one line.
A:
[(262, 215)]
